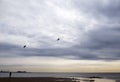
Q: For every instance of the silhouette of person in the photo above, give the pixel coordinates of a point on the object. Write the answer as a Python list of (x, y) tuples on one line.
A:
[(10, 74)]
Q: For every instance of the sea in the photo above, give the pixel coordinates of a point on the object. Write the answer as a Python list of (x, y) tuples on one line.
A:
[(114, 76)]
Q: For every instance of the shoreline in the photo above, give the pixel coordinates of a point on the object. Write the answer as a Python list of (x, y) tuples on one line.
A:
[(35, 79), (53, 79)]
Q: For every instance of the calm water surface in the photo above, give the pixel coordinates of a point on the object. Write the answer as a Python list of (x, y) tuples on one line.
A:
[(115, 76)]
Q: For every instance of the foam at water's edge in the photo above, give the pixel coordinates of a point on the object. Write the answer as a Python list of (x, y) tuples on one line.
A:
[(94, 80)]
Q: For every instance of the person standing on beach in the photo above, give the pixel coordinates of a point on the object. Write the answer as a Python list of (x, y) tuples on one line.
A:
[(10, 74)]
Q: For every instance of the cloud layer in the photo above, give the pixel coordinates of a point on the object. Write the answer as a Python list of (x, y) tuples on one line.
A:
[(88, 30)]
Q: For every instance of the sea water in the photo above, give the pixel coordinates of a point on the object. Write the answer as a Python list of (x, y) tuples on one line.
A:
[(115, 76)]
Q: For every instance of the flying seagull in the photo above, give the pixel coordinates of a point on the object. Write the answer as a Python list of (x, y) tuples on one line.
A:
[(58, 39), (24, 46)]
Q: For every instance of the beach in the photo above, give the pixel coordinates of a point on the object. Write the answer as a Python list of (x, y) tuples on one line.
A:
[(53, 79), (36, 79), (59, 77)]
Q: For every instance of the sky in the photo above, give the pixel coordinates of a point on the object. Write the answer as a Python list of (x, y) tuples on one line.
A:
[(89, 32)]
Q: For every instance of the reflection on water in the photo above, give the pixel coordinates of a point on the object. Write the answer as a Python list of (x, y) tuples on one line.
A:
[(94, 80), (104, 80), (109, 76)]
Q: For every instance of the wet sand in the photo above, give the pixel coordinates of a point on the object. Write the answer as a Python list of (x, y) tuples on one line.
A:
[(96, 80), (50, 79), (53, 79), (37, 79)]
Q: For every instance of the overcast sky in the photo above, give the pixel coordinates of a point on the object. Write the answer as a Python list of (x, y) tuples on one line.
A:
[(89, 32)]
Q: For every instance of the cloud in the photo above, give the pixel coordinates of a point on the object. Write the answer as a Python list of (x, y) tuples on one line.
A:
[(33, 22), (104, 11), (88, 30)]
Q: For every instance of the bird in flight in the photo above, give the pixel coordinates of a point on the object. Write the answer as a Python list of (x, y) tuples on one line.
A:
[(58, 39), (24, 46)]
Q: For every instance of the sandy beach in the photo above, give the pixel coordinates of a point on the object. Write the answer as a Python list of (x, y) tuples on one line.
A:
[(52, 79), (36, 79)]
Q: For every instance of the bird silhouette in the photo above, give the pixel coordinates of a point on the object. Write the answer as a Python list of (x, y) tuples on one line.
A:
[(58, 39), (24, 46)]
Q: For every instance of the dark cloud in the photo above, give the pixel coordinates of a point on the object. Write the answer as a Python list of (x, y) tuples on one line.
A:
[(100, 43), (104, 43), (103, 10), (7, 46), (89, 53), (104, 37)]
